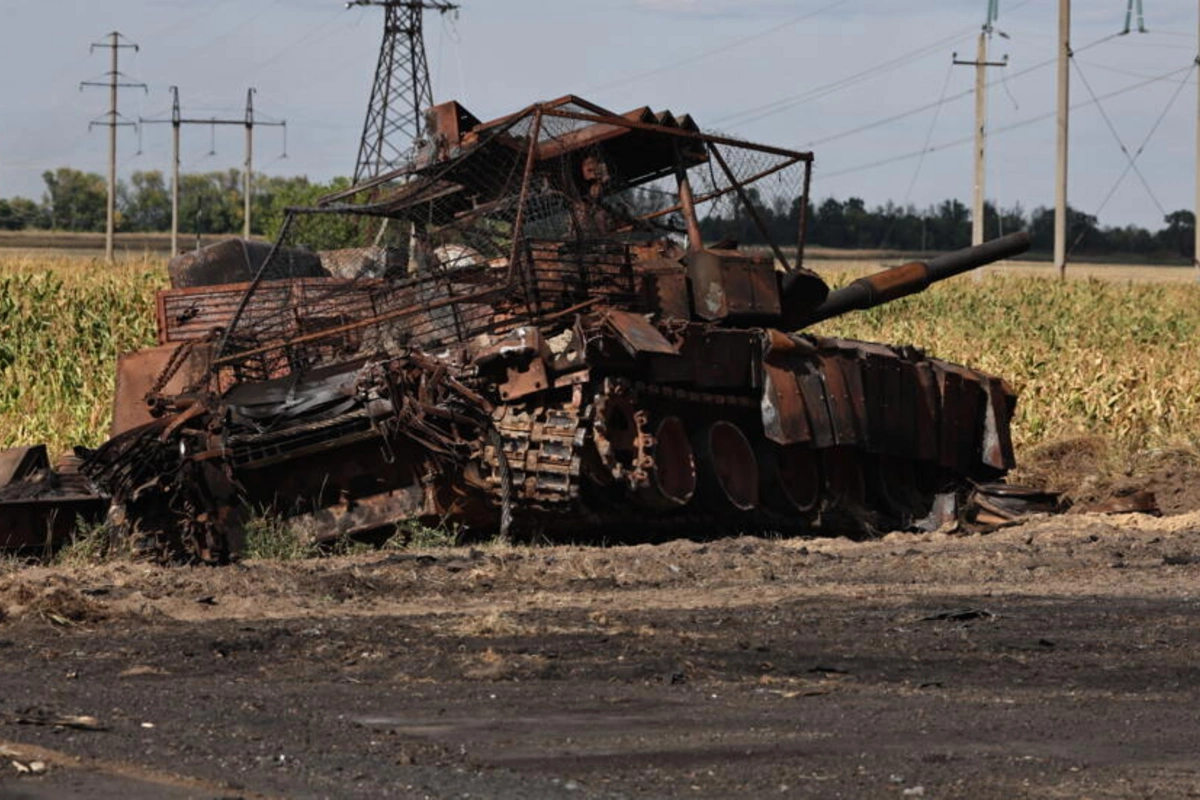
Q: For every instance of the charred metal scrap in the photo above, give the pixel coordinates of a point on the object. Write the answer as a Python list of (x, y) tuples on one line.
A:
[(535, 336)]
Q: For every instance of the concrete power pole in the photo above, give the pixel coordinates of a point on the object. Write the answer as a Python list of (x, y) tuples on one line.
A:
[(981, 64), (248, 173), (1060, 171), (114, 84), (248, 121)]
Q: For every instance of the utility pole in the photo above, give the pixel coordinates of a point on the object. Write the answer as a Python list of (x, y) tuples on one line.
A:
[(1196, 207), (248, 121), (114, 84), (401, 91), (981, 64), (1060, 170), (248, 176)]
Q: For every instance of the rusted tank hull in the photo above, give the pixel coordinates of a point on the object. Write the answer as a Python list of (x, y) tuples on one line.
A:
[(543, 353)]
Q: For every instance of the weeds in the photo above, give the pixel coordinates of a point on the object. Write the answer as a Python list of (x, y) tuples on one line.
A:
[(417, 535), (90, 543), (270, 538)]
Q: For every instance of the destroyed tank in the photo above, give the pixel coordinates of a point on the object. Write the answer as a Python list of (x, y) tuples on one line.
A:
[(564, 322)]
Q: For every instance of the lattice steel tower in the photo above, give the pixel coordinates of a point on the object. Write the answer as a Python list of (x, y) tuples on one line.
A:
[(401, 91)]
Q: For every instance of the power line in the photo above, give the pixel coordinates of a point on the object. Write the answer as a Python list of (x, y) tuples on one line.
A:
[(248, 120), (714, 51), (1121, 144), (921, 161), (952, 98), (776, 106), (996, 131), (1146, 141)]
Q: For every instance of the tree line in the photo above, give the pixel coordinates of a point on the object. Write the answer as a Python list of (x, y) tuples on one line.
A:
[(946, 226), (211, 203)]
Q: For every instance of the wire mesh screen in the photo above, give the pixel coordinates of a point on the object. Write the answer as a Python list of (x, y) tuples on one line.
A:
[(517, 222)]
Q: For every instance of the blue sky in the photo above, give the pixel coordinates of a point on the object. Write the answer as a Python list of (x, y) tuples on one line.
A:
[(805, 73)]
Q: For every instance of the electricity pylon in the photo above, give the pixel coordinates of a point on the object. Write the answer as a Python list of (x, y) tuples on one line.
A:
[(401, 91)]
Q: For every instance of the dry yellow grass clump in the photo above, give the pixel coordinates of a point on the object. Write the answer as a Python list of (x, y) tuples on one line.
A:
[(63, 320), (1120, 360)]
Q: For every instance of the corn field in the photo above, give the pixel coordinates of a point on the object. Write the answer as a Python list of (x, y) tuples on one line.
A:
[(63, 321), (1117, 360)]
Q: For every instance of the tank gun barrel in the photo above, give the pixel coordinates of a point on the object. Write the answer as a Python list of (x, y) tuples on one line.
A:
[(892, 284)]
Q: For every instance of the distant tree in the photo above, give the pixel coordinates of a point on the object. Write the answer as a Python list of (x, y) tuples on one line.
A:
[(318, 231), (211, 202), (1180, 234), (145, 203), (76, 200), (19, 213), (1083, 235)]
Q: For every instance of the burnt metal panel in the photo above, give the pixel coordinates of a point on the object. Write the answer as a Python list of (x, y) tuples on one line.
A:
[(667, 293), (954, 426), (784, 417), (192, 313), (997, 448), (840, 401), (893, 416), (17, 463), (812, 388), (925, 413), (728, 285), (637, 334), (138, 373), (907, 434)]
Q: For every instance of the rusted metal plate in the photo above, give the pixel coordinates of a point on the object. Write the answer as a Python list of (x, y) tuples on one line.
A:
[(721, 357), (41, 507), (524, 382), (362, 515), (997, 449), (925, 413), (17, 463), (637, 334), (954, 424), (667, 293), (842, 413), (909, 433), (730, 285), (138, 372), (45, 522), (893, 413), (784, 417), (812, 387), (962, 421)]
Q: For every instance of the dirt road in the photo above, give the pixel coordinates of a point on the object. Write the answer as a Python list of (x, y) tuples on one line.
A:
[(1054, 659)]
